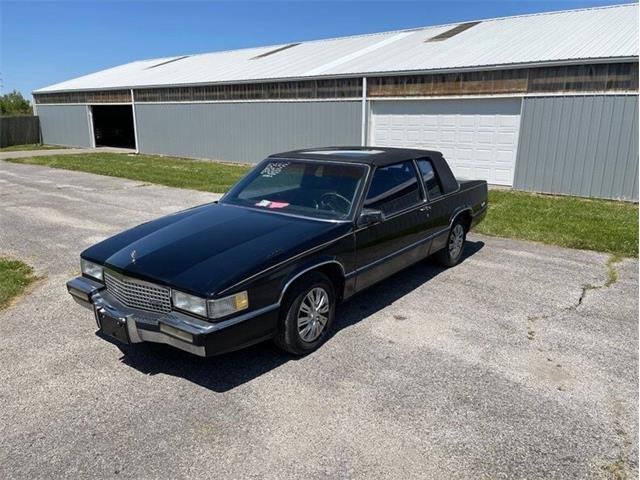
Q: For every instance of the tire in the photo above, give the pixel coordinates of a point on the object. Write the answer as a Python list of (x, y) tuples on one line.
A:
[(451, 254), (309, 295)]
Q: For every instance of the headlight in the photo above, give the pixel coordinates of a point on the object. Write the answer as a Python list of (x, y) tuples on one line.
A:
[(92, 269), (228, 305), (189, 303)]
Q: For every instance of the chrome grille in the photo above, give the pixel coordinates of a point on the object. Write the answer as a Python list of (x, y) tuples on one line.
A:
[(138, 294)]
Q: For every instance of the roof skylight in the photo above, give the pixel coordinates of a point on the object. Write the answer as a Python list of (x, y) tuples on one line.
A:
[(167, 61), (271, 52), (452, 32)]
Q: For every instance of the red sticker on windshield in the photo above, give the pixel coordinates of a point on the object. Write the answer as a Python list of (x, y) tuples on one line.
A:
[(278, 205)]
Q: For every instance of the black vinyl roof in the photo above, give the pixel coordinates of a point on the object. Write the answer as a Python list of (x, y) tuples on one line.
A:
[(376, 156)]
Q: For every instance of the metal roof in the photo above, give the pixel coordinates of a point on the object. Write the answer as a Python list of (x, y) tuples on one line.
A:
[(587, 35)]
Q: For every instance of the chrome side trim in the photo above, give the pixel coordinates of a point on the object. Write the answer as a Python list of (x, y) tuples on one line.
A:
[(409, 247), (297, 275), (397, 252)]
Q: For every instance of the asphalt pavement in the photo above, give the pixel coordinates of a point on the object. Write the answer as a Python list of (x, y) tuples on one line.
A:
[(517, 363)]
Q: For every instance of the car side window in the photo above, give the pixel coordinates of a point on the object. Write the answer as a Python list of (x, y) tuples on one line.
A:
[(394, 188), (429, 178)]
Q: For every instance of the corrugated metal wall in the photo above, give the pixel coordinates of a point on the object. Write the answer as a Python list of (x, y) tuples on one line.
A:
[(65, 125), (579, 145), (245, 132)]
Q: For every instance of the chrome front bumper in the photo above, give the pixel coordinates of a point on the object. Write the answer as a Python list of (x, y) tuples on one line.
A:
[(182, 331), (142, 326)]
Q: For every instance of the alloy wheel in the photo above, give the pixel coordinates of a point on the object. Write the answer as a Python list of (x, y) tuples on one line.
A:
[(456, 241), (313, 314)]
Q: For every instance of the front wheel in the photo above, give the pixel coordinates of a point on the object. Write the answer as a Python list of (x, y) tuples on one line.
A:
[(451, 254), (307, 314)]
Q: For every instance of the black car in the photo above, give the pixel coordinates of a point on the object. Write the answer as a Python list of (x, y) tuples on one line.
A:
[(276, 254)]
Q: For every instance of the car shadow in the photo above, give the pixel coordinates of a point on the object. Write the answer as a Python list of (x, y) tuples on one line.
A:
[(393, 288), (225, 372)]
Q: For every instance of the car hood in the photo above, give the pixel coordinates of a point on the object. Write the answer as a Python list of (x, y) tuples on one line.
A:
[(212, 247)]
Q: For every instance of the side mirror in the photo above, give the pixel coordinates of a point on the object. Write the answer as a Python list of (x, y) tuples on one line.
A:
[(370, 216)]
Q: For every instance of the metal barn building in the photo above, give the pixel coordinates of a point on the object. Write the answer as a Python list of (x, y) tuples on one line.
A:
[(545, 102)]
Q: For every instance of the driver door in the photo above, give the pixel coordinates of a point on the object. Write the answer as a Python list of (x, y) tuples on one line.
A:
[(386, 247)]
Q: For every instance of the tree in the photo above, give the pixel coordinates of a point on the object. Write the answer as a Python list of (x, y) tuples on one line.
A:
[(15, 104)]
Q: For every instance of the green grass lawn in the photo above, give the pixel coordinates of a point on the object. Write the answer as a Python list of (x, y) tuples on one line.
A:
[(173, 172), (15, 277), (30, 146), (600, 225)]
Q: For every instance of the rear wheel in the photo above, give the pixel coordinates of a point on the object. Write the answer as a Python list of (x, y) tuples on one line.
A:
[(307, 314), (451, 254)]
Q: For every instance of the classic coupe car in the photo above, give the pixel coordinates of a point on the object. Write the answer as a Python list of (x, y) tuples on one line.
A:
[(301, 232)]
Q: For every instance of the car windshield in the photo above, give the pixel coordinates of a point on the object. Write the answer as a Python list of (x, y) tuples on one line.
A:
[(310, 188)]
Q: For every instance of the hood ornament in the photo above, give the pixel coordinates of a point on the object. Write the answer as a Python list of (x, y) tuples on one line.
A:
[(133, 256)]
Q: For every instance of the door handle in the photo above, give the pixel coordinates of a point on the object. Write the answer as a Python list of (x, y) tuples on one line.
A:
[(426, 208)]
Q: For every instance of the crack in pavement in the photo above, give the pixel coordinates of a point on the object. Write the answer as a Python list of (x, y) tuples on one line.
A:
[(612, 277)]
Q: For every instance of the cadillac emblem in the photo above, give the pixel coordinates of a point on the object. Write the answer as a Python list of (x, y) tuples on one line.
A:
[(133, 256)]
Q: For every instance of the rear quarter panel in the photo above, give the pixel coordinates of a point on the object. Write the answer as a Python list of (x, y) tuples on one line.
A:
[(473, 195)]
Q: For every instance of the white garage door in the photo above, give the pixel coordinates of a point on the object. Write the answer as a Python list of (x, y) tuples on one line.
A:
[(478, 137)]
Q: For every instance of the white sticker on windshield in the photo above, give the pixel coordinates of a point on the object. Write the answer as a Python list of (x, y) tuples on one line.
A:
[(273, 169)]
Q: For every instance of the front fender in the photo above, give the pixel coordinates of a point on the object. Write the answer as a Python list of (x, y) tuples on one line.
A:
[(269, 287), (307, 267)]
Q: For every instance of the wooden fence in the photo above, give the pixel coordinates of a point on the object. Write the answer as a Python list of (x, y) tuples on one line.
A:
[(19, 130)]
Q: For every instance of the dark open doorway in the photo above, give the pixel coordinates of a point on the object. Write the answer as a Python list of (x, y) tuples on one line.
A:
[(113, 126)]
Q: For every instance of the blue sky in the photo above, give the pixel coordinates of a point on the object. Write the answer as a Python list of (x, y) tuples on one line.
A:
[(47, 42)]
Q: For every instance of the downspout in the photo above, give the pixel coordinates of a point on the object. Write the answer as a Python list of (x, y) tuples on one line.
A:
[(34, 105), (363, 131), (92, 132), (135, 120)]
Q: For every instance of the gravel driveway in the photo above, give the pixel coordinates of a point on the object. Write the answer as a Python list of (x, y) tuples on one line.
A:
[(518, 363)]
